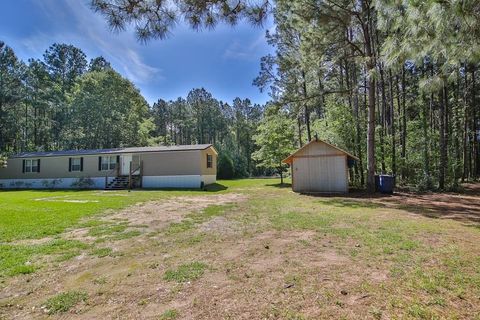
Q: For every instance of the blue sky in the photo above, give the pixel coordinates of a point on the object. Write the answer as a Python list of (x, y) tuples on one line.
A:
[(224, 60)]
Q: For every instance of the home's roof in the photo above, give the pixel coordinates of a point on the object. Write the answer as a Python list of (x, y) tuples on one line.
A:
[(112, 151), (289, 159)]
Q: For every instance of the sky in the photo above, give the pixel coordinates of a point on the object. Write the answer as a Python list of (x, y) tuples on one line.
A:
[(224, 60)]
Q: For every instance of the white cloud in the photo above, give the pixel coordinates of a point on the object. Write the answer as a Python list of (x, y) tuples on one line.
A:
[(239, 51), (74, 22)]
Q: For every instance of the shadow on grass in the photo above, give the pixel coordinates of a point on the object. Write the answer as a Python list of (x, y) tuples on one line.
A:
[(347, 203), (216, 187), (280, 185), (463, 207)]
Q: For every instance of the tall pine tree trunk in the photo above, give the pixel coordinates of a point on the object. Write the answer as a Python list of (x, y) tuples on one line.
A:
[(475, 151), (381, 113), (466, 133), (442, 139), (307, 111), (299, 127), (404, 122), (426, 158), (370, 66), (358, 132), (392, 124)]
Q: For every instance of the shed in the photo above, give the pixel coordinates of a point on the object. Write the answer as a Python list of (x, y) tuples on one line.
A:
[(320, 166)]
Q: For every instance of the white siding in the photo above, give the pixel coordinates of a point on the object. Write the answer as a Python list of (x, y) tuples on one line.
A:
[(181, 181), (184, 181), (60, 183), (320, 174)]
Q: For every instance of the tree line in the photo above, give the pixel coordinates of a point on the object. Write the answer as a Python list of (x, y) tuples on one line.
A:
[(200, 118), (394, 82), (64, 102)]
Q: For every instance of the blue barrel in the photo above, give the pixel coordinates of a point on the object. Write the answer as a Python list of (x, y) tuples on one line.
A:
[(386, 183)]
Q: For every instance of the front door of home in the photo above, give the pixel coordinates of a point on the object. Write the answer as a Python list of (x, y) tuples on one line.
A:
[(125, 161)]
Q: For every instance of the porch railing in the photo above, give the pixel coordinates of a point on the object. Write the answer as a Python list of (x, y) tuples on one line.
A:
[(135, 171)]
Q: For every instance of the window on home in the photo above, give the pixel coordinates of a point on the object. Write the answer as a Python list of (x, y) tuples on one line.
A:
[(35, 166), (209, 161), (76, 164), (31, 165), (109, 163)]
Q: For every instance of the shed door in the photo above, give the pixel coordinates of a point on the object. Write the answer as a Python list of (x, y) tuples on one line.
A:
[(320, 174)]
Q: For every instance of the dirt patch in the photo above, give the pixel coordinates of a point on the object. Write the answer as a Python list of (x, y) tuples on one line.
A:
[(219, 225), (460, 207), (464, 206), (158, 214), (28, 242)]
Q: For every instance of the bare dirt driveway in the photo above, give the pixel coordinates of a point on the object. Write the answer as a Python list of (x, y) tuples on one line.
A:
[(259, 251)]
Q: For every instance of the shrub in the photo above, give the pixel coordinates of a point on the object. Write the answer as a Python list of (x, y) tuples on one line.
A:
[(240, 164), (225, 168)]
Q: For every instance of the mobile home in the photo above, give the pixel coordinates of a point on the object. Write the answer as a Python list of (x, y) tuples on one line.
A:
[(185, 166)]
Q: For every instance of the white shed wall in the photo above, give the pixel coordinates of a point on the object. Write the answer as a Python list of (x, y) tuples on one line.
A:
[(318, 148), (320, 174)]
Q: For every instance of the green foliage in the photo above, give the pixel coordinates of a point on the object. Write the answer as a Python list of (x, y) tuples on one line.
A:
[(186, 272), (99, 64), (200, 118), (63, 302), (275, 140), (225, 167), (331, 127), (59, 103), (154, 20), (98, 97), (241, 166), (3, 161), (11, 70)]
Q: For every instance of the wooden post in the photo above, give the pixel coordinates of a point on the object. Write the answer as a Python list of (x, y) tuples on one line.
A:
[(130, 176), (141, 173)]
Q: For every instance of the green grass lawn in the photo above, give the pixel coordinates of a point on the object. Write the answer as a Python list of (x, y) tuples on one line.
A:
[(32, 214), (38, 214)]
